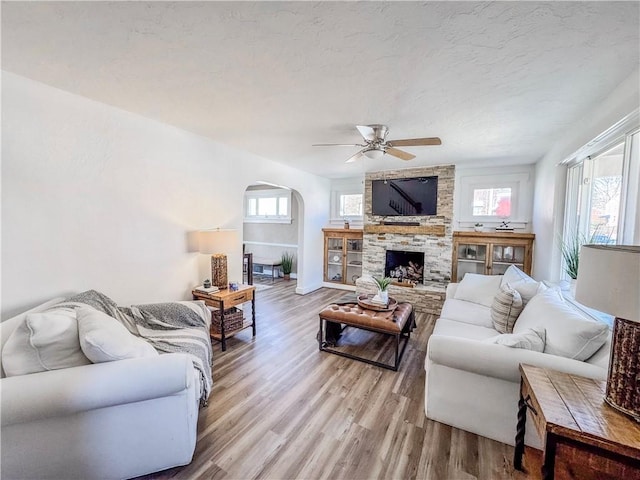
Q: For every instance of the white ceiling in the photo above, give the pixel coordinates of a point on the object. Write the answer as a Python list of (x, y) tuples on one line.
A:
[(498, 82)]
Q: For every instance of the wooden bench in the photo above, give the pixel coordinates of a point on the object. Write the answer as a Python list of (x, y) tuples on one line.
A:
[(268, 262), (397, 323)]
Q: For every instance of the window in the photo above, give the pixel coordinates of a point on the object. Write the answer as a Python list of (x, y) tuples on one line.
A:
[(492, 202), (347, 201), (268, 206), (603, 191), (492, 195), (351, 205)]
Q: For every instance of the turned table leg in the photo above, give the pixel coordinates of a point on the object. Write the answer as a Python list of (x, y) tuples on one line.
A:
[(520, 429)]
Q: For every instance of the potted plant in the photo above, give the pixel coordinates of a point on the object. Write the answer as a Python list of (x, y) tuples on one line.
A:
[(287, 264), (383, 293), (478, 227)]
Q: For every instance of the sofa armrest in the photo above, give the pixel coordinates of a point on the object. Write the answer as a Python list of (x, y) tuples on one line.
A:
[(499, 361), (451, 290), (67, 391)]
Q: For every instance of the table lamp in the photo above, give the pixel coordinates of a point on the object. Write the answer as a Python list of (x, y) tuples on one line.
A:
[(218, 243), (609, 281)]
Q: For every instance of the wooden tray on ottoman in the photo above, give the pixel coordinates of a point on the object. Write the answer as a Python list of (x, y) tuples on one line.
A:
[(233, 318)]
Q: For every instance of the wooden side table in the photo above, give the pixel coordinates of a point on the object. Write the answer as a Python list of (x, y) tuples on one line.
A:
[(579, 430), (225, 299)]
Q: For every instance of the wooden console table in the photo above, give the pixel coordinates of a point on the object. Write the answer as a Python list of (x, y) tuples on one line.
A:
[(581, 433), (225, 299)]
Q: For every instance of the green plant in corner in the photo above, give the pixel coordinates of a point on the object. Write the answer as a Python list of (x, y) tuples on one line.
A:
[(287, 260), (570, 248), (382, 283), (570, 254)]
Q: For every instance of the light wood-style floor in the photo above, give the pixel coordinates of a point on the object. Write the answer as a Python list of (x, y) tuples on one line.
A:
[(281, 409)]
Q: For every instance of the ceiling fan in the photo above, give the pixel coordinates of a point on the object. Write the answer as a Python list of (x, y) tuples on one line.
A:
[(376, 144)]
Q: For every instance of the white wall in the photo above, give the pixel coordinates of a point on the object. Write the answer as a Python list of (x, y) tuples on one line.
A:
[(96, 197), (548, 210)]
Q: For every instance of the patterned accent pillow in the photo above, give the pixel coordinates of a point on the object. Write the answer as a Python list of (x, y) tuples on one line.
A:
[(506, 306)]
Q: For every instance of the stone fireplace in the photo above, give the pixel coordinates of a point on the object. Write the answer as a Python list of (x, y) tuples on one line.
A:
[(431, 237)]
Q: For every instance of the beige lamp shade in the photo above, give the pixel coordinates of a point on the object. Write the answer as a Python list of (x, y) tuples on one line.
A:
[(217, 241), (609, 279)]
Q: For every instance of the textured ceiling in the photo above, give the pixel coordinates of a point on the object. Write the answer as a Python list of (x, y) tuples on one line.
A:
[(497, 82)]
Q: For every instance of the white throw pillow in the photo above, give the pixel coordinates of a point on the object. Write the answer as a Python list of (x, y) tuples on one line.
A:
[(506, 306), (569, 334), (513, 274), (527, 289), (478, 288), (105, 339), (529, 339), (43, 341)]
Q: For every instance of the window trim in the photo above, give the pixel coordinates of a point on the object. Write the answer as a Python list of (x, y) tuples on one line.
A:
[(276, 193), (516, 181), (336, 218)]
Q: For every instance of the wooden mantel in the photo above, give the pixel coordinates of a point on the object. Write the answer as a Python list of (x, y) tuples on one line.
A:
[(435, 230)]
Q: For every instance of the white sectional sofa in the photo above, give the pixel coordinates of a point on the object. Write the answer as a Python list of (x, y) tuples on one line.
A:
[(473, 384), (117, 419)]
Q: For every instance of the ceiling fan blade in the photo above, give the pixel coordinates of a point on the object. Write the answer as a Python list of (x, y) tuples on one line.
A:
[(367, 132), (415, 142), (337, 145), (355, 157), (399, 153)]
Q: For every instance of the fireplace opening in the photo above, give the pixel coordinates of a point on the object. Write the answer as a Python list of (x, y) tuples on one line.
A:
[(404, 266)]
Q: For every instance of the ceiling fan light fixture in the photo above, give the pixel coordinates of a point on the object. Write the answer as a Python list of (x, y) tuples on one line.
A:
[(373, 153)]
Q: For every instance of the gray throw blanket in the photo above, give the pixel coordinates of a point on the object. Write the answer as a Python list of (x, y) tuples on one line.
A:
[(174, 327)]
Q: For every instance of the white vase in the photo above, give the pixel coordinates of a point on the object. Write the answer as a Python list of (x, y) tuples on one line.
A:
[(383, 295)]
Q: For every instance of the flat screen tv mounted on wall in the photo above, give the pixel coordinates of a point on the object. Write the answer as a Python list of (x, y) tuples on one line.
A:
[(405, 196)]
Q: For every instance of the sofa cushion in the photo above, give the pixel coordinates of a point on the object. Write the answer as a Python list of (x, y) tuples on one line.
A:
[(506, 306), (569, 334), (451, 328), (478, 288), (529, 339), (513, 274), (105, 339), (467, 312), (43, 341), (526, 286)]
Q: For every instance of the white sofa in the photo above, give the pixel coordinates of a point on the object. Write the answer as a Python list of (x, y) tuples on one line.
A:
[(117, 419), (474, 385)]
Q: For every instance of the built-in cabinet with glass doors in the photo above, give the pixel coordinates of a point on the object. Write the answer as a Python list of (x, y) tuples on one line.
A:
[(490, 253), (342, 255)]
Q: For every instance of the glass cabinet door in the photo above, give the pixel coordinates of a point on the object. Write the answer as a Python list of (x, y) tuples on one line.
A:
[(472, 258), (354, 260), (334, 260), (505, 255)]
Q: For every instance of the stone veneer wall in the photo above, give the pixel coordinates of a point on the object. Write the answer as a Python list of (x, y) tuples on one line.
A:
[(437, 250)]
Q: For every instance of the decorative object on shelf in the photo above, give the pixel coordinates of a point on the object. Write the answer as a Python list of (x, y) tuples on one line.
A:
[(504, 227), (354, 278), (609, 281), (382, 297), (206, 283), (346, 224), (336, 258), (218, 243), (478, 227), (287, 264)]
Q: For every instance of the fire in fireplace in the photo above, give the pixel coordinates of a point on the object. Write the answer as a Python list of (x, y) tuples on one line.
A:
[(404, 266)]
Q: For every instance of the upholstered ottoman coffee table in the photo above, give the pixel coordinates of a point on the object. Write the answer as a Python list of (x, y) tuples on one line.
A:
[(396, 323)]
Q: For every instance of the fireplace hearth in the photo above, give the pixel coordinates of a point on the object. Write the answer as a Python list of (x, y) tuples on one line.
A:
[(403, 266)]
